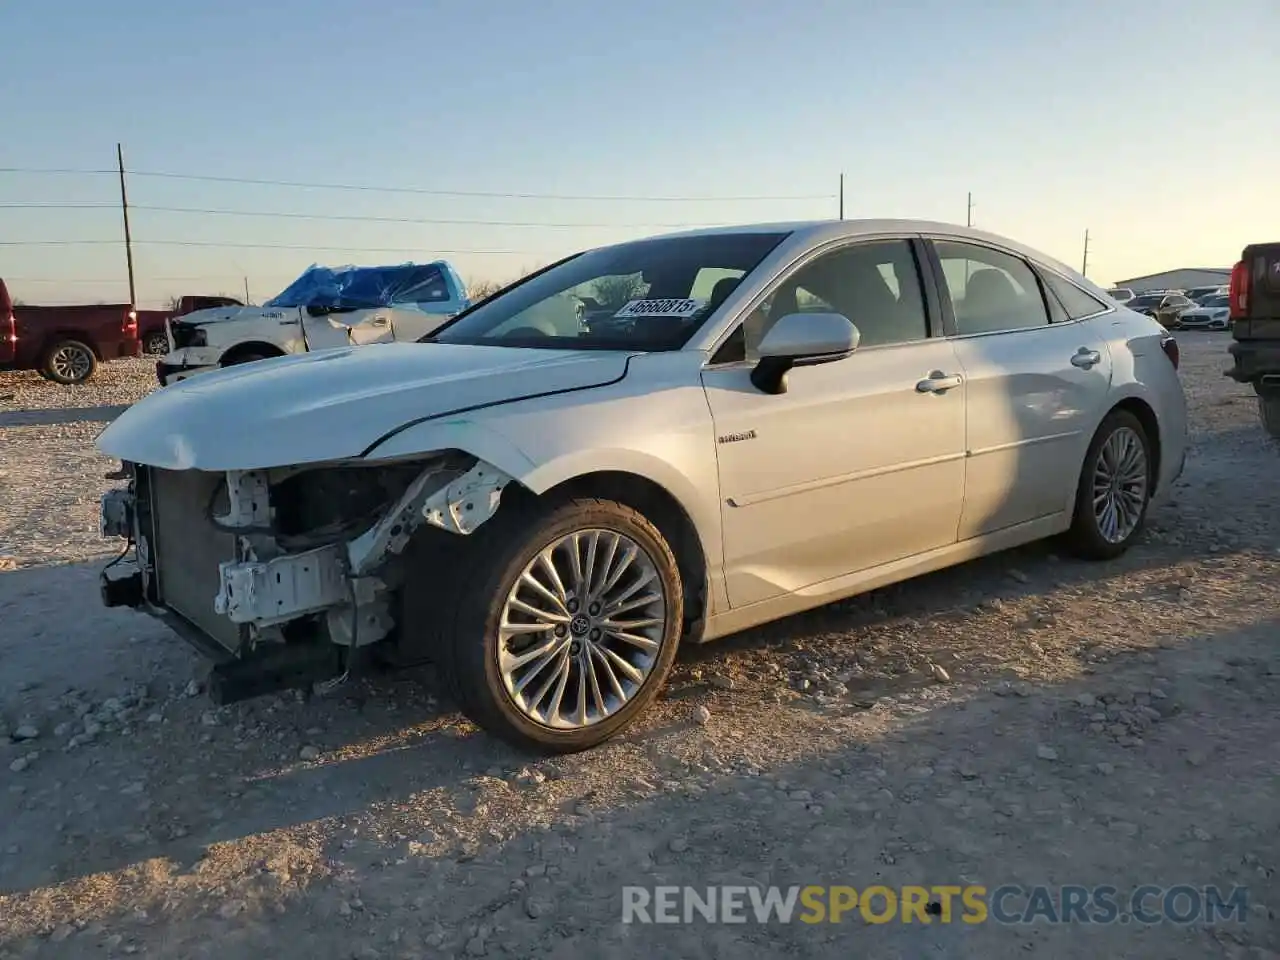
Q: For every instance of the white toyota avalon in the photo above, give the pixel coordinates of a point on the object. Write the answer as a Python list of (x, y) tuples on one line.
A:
[(547, 500)]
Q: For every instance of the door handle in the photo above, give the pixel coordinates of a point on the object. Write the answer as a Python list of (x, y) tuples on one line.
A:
[(1086, 358), (938, 382)]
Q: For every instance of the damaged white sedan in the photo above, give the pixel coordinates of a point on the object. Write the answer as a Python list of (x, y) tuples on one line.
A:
[(749, 422)]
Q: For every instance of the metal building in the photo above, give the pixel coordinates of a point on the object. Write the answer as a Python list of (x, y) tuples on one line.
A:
[(1182, 279)]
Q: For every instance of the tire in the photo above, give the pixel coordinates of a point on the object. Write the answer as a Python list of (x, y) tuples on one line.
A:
[(1088, 535), (1269, 411), (476, 586), (69, 362), (156, 343), (244, 358)]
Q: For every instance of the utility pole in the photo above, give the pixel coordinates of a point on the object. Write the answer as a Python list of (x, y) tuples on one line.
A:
[(246, 291), (968, 216), (842, 196), (1084, 265), (128, 240)]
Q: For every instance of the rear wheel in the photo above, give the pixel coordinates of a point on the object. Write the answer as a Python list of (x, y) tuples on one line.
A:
[(1114, 490), (69, 362), (1269, 411), (565, 623)]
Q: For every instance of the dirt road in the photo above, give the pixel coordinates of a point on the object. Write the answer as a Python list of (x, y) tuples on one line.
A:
[(1022, 720)]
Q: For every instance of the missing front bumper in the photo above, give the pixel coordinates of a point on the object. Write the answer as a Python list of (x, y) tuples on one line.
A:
[(229, 576)]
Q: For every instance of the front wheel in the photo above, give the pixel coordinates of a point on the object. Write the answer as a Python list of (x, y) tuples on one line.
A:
[(239, 358), (565, 623), (156, 343), (1114, 490)]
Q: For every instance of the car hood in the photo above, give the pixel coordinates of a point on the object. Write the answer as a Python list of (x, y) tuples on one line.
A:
[(333, 404)]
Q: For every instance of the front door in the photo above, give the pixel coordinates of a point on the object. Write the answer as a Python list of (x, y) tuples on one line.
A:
[(1035, 387), (861, 461)]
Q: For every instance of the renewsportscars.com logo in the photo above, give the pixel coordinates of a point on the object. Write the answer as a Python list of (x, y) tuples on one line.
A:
[(970, 904)]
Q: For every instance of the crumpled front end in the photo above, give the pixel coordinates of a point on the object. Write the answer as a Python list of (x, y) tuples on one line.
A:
[(281, 576)]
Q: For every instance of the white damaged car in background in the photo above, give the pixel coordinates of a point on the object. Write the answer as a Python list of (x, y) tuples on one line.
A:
[(547, 501), (325, 307)]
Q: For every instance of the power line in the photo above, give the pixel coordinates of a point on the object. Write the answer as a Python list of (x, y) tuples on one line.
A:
[(489, 194), (273, 246), (122, 279), (55, 170), (351, 217)]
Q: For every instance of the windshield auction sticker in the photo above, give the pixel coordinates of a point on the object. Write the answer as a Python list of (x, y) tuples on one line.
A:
[(660, 308)]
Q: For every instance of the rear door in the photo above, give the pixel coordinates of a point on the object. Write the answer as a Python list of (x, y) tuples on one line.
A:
[(1037, 380)]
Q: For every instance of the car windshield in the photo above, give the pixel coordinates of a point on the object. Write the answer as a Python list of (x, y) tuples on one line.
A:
[(1215, 300), (645, 295), (1146, 300)]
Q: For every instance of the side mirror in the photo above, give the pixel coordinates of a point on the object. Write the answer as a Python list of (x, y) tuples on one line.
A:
[(800, 340)]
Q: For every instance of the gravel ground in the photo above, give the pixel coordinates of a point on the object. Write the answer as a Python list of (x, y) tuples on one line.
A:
[(1023, 719)]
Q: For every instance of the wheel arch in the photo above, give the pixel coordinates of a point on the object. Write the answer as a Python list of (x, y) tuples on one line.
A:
[(69, 333), (264, 347), (666, 512)]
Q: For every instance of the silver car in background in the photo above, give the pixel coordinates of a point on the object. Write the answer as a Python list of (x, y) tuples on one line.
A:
[(547, 501)]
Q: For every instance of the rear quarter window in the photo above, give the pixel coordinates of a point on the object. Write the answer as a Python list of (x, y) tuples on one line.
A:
[(1076, 302)]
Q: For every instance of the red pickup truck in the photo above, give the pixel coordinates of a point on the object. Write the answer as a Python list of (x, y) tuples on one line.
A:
[(65, 344)]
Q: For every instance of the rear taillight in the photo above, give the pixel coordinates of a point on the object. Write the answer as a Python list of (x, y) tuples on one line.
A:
[(1238, 293), (130, 325), (1170, 347)]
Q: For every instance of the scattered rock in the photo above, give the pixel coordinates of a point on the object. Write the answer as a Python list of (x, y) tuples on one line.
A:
[(1086, 699), (678, 845), (1046, 753), (1106, 769), (1018, 575), (17, 766), (722, 682), (309, 753), (26, 731), (939, 673), (702, 716)]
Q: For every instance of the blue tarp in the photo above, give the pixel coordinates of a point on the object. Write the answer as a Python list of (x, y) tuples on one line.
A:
[(364, 287)]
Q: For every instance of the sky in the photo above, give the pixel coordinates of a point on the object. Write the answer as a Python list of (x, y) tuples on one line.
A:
[(1149, 123)]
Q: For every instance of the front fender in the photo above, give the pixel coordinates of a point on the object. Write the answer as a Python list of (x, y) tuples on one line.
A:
[(538, 476)]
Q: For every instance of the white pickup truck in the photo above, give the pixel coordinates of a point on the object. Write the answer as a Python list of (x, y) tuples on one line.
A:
[(325, 307)]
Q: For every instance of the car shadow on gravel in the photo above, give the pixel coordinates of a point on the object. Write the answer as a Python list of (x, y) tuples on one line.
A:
[(52, 416), (972, 788)]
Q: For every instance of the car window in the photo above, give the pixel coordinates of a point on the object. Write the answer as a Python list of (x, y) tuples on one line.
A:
[(875, 284), (1076, 302), (643, 295), (990, 291)]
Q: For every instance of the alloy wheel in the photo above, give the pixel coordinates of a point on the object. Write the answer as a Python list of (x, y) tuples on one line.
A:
[(581, 629), (71, 362), (1120, 481)]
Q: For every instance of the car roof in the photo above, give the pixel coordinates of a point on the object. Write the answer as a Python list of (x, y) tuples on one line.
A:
[(807, 232)]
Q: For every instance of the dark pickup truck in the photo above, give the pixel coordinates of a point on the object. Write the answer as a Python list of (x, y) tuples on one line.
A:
[(65, 344), (151, 323), (1254, 301)]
